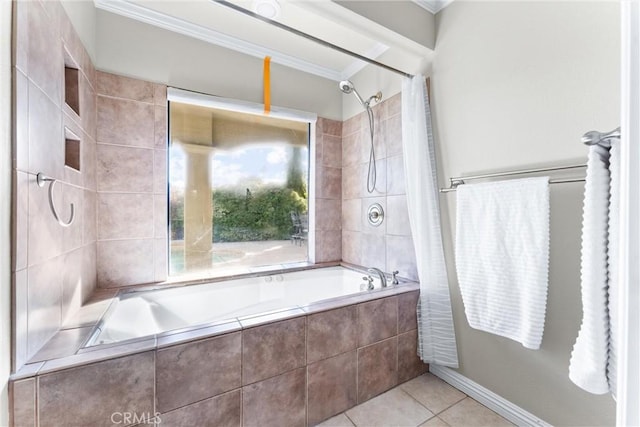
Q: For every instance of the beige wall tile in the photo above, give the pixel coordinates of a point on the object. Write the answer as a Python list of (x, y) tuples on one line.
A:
[(332, 386), (332, 127), (20, 220), (272, 349), (44, 302), (89, 222), (377, 368), (72, 235), (125, 262), (21, 36), (328, 246), (373, 250), (160, 94), (23, 398), (409, 364), (328, 214), (89, 163), (397, 216), (160, 171), (119, 385), (72, 283), (331, 333), (20, 328), (88, 107), (125, 87), (395, 175), (161, 140), (393, 135), (46, 142), (45, 234), (161, 221), (222, 410), (184, 373), (45, 50), (401, 256), (407, 317), (381, 179), (125, 122), (330, 184), (377, 320), (276, 402), (351, 247), (332, 151), (124, 169), (351, 181), (352, 147), (125, 216), (21, 120), (160, 260)]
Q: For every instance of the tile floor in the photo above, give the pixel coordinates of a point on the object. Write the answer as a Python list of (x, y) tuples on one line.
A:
[(425, 401)]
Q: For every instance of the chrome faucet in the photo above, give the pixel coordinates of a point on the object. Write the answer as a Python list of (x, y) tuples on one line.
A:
[(383, 278)]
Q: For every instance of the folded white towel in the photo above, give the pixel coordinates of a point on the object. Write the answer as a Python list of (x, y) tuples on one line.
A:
[(588, 365), (502, 256)]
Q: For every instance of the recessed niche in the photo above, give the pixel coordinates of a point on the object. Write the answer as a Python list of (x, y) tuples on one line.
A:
[(71, 83), (71, 150)]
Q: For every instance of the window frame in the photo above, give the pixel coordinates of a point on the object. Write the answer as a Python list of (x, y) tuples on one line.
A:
[(240, 106)]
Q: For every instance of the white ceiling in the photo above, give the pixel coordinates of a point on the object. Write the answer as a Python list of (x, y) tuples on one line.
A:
[(214, 23)]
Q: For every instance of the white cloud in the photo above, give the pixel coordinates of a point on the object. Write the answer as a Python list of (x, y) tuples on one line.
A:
[(277, 155)]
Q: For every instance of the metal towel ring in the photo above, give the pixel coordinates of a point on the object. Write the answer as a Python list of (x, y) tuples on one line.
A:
[(41, 179)]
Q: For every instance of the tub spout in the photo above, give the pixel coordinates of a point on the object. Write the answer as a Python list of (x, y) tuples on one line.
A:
[(383, 278)]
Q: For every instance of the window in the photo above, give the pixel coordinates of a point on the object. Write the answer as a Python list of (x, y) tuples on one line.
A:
[(238, 191)]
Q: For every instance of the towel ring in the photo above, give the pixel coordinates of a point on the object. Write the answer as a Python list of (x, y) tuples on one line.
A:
[(41, 179)]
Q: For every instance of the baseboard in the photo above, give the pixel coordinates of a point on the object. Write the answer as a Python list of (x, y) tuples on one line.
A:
[(496, 403)]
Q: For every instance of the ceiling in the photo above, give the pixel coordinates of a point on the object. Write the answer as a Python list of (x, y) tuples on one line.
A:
[(214, 23)]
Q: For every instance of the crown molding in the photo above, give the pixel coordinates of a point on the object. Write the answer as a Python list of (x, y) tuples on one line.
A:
[(433, 6), (161, 20)]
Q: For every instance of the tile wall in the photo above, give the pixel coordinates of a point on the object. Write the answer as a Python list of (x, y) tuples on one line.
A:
[(294, 372), (388, 246), (328, 190), (131, 181), (53, 267)]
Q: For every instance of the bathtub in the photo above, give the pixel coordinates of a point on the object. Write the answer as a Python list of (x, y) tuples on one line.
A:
[(137, 314)]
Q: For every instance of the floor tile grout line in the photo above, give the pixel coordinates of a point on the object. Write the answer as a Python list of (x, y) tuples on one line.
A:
[(443, 410), (419, 403)]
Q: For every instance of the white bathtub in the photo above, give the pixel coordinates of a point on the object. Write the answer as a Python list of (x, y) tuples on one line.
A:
[(143, 313)]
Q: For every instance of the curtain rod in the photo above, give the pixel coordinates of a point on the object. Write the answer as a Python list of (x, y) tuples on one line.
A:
[(309, 37), (454, 182)]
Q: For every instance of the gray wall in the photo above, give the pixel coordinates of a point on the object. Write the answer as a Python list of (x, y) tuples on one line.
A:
[(516, 84)]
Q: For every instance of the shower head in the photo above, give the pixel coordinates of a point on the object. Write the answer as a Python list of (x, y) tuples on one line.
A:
[(347, 87)]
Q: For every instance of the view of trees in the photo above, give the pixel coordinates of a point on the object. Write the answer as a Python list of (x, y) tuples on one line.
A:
[(252, 211)]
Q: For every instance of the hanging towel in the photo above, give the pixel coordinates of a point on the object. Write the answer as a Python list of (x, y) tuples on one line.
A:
[(589, 358), (502, 256), (612, 262)]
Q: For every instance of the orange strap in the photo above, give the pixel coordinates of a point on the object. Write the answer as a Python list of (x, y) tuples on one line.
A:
[(267, 84)]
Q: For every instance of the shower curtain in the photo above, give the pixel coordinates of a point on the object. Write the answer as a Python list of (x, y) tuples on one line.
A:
[(436, 335)]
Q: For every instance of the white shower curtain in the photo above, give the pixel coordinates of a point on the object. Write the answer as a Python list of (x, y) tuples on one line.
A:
[(436, 335)]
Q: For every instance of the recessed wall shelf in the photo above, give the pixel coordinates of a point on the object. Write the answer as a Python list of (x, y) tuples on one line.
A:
[(71, 83), (71, 150)]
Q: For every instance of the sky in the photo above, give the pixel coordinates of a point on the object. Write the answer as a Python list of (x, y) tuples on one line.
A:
[(266, 163)]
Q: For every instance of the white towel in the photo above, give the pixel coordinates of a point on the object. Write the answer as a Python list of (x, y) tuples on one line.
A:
[(612, 262), (588, 365), (502, 256)]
